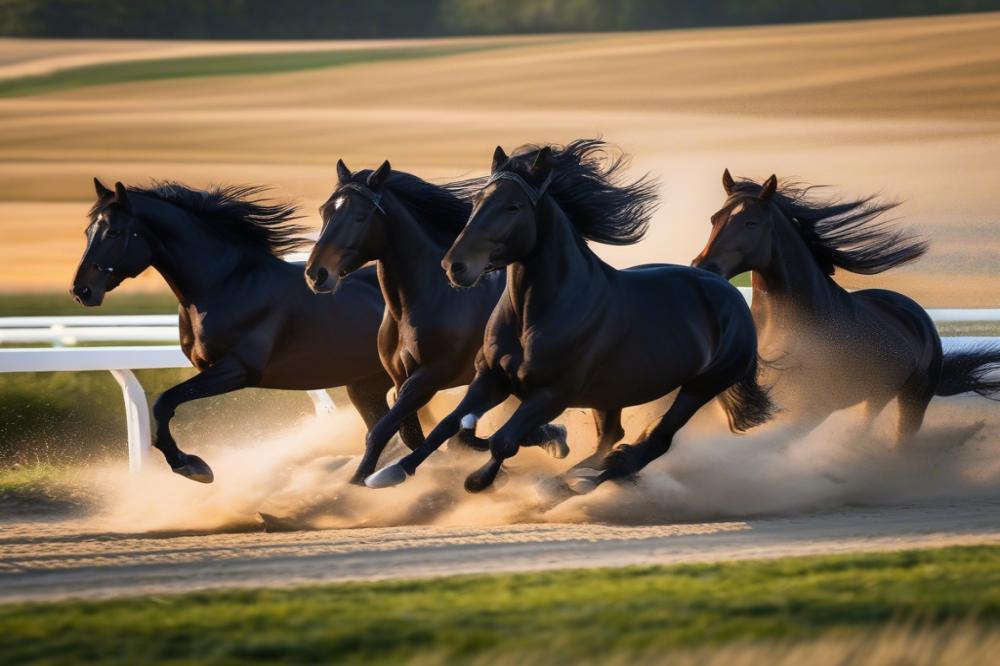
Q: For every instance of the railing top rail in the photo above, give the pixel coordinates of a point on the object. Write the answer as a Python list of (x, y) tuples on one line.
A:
[(46, 359), (89, 320)]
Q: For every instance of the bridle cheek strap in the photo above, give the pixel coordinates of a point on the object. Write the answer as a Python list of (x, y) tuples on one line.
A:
[(534, 195)]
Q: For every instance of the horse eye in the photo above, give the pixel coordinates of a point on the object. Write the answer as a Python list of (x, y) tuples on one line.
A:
[(514, 207), (750, 224), (114, 233)]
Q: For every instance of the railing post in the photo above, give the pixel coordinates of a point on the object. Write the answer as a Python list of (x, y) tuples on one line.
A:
[(136, 419), (325, 403), (322, 402)]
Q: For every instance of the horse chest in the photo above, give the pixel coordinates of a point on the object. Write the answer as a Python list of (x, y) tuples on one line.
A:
[(407, 354)]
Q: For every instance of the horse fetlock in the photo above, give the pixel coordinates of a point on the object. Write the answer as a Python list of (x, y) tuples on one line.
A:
[(502, 447), (556, 446), (624, 460), (483, 477)]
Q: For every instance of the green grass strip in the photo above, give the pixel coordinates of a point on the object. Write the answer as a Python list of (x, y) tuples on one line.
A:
[(226, 65), (573, 616), (42, 304)]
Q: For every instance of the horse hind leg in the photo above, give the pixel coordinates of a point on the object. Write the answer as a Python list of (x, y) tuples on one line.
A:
[(628, 459), (609, 433), (913, 403)]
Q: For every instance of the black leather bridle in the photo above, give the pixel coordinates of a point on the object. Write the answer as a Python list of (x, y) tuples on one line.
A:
[(374, 197), (534, 194)]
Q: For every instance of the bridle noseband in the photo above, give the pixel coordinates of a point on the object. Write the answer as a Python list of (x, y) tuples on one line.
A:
[(374, 197), (534, 194)]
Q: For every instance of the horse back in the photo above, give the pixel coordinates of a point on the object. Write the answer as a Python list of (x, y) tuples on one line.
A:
[(903, 323)]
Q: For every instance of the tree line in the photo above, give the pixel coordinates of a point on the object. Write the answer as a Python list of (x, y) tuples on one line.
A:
[(324, 19)]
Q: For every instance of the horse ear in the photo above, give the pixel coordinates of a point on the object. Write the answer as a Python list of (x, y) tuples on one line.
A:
[(543, 162), (121, 195), (499, 159), (770, 185), (728, 183), (101, 190), (376, 178), (343, 173)]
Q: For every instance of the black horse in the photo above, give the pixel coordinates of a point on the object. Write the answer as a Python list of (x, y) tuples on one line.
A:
[(431, 332), (571, 331), (246, 318), (832, 348)]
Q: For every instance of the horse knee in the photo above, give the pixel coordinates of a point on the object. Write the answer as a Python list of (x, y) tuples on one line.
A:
[(163, 410)]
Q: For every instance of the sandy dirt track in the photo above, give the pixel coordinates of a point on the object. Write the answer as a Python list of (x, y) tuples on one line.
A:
[(47, 561), (714, 497)]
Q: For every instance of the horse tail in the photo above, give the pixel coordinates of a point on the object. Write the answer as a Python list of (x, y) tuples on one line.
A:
[(747, 404), (972, 370)]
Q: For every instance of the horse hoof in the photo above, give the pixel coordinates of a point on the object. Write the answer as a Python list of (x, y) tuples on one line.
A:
[(195, 469), (557, 446), (466, 439), (388, 476)]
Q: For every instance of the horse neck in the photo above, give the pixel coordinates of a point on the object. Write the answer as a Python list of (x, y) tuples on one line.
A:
[(194, 262), (410, 266), (559, 257), (792, 282)]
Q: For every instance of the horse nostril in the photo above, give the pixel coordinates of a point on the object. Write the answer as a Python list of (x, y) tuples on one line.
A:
[(321, 275), (458, 268), (85, 292)]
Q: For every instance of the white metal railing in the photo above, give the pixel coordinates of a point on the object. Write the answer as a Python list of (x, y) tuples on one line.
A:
[(65, 331), (120, 362)]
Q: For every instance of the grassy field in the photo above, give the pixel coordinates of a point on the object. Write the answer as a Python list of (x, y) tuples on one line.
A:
[(566, 617), (56, 303), (897, 106)]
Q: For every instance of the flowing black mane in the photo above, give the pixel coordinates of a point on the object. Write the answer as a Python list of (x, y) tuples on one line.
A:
[(442, 208), (259, 223), (845, 234), (586, 183)]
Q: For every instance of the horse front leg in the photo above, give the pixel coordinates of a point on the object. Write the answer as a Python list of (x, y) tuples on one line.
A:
[(226, 375), (536, 411), (416, 391), (485, 392)]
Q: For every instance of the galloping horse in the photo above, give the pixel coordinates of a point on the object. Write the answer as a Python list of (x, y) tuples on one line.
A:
[(431, 332), (833, 348), (571, 331), (246, 318)]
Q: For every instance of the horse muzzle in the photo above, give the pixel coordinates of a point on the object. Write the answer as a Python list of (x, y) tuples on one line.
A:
[(321, 280), (87, 296)]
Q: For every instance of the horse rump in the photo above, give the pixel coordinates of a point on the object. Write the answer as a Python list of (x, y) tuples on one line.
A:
[(747, 404), (973, 370)]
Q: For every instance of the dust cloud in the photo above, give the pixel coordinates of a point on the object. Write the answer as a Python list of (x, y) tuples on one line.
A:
[(297, 478)]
